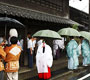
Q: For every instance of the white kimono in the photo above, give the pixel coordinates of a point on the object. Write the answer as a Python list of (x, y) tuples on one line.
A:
[(39, 42), (44, 60), (57, 44)]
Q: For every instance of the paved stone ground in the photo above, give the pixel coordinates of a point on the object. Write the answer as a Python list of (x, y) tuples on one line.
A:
[(26, 72), (59, 68)]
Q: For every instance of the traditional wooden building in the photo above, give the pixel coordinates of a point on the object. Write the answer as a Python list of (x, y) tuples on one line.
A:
[(80, 17), (34, 12), (37, 15)]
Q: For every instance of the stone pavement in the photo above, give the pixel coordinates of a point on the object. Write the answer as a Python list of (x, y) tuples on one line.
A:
[(59, 68)]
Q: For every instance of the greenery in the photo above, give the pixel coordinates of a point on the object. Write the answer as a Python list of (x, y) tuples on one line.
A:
[(75, 26)]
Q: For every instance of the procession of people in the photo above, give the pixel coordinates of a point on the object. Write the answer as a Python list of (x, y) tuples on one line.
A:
[(41, 53)]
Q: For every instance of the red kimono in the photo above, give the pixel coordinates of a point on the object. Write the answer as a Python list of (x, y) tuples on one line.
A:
[(45, 75)]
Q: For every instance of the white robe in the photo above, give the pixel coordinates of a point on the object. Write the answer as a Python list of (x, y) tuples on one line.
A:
[(44, 60), (39, 42), (58, 44)]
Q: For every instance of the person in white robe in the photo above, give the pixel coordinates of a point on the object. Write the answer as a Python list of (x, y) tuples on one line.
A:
[(58, 46), (44, 61)]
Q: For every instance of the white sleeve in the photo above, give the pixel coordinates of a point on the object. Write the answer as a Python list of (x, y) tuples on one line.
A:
[(29, 44), (61, 44), (50, 58), (37, 55)]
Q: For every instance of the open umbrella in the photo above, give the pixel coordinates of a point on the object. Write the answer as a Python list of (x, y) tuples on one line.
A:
[(9, 22), (69, 32), (47, 33), (85, 34)]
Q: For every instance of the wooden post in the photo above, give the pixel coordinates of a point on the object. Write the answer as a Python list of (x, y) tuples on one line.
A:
[(25, 45)]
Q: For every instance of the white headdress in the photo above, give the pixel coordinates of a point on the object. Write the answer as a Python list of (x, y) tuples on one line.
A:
[(13, 32)]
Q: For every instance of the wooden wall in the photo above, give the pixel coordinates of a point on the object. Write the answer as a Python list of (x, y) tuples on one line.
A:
[(55, 7)]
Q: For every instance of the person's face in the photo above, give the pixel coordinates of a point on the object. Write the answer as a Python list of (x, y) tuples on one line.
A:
[(28, 36), (35, 38), (81, 39)]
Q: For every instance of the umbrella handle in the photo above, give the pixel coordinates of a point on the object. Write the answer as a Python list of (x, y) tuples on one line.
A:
[(5, 30)]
